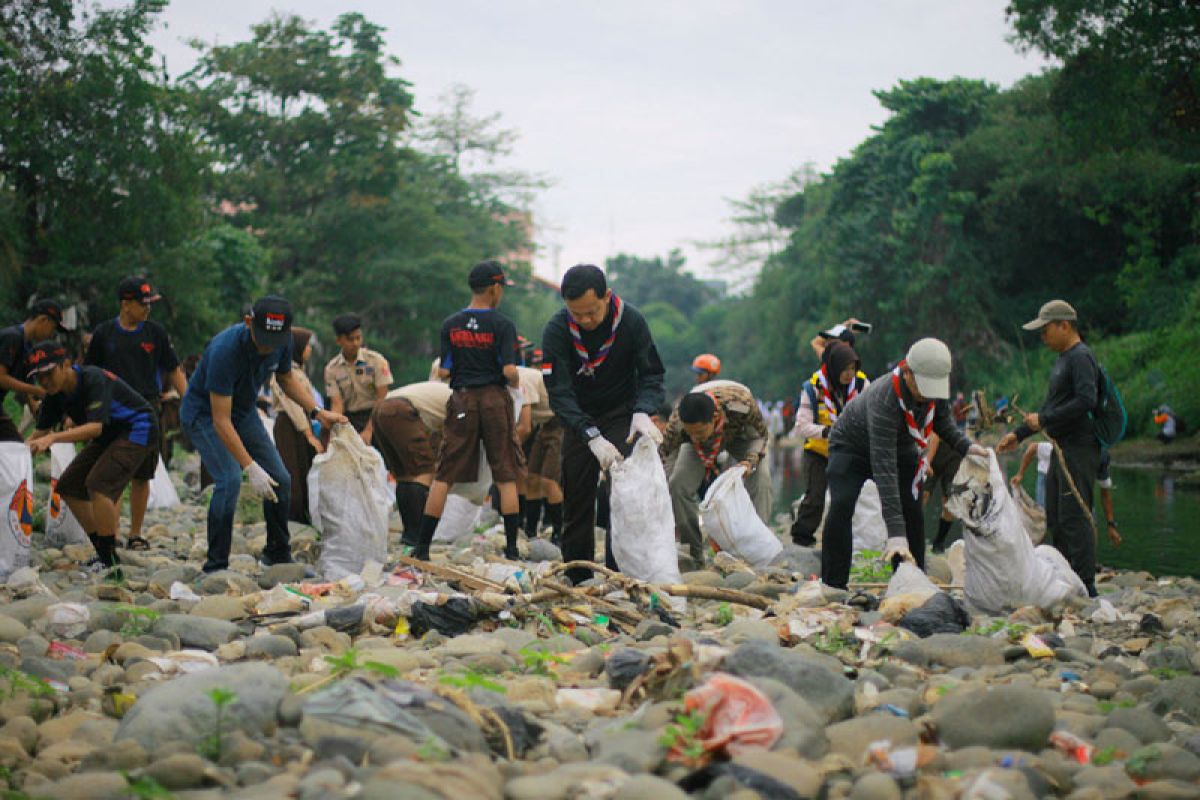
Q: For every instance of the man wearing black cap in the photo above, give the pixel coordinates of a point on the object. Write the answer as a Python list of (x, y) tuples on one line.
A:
[(44, 320), (479, 354), (139, 352), (116, 422), (605, 379), (219, 417)]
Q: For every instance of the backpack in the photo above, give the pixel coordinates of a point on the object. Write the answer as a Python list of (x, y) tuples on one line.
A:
[(1109, 417)]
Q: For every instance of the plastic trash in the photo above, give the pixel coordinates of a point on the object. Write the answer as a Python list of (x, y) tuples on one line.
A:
[(181, 591), (737, 716), (347, 619), (624, 666), (162, 491), (1003, 568), (1036, 647), (592, 700), (279, 600), (760, 783), (900, 762), (61, 526), (184, 662), (66, 620), (643, 526), (941, 613), (65, 652), (459, 519), (350, 503), (728, 518), (16, 495), (1072, 746), (454, 617), (908, 590)]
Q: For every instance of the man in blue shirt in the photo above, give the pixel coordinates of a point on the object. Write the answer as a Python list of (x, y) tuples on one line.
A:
[(221, 420)]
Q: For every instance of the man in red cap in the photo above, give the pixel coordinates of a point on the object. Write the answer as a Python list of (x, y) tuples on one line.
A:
[(44, 320), (139, 352)]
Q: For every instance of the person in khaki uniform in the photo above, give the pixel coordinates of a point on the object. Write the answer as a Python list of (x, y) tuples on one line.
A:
[(356, 378), (720, 424), (541, 435)]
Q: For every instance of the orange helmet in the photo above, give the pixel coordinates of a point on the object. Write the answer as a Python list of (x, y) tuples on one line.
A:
[(706, 362)]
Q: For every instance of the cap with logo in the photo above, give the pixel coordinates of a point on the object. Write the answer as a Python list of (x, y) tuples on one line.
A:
[(45, 355), (272, 320), (1054, 311), (930, 362), (487, 273), (138, 289), (49, 308)]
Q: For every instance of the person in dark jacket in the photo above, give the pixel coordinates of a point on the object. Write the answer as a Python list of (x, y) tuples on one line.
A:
[(884, 435), (605, 380), (1065, 417)]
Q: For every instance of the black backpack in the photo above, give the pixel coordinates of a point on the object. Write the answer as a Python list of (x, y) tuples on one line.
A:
[(1109, 418)]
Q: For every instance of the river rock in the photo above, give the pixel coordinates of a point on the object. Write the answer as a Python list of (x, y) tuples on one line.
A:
[(11, 630), (803, 727), (1143, 723), (179, 771), (219, 606), (181, 710), (852, 737), (1180, 694), (999, 717), (951, 650), (199, 632), (270, 647), (829, 693), (633, 751), (282, 573), (564, 782), (542, 550), (88, 786), (648, 787)]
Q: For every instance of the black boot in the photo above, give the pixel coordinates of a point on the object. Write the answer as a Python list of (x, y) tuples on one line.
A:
[(512, 527), (939, 542), (428, 527), (533, 517), (554, 515), (410, 502)]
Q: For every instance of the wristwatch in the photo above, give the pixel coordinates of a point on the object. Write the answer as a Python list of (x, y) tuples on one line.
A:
[(591, 432), (312, 413)]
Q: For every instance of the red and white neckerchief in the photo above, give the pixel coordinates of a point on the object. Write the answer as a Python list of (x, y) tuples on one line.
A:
[(590, 364), (919, 435), (827, 395), (708, 456)]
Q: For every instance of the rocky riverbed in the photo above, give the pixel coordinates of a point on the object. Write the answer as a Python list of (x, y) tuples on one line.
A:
[(476, 680)]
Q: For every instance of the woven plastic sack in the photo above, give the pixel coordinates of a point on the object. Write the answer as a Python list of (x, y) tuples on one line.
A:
[(643, 527), (61, 526), (728, 518), (162, 491), (349, 501), (1003, 568), (16, 497)]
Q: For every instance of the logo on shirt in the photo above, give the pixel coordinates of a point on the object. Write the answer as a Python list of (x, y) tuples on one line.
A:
[(471, 339), (148, 347), (547, 368), (473, 324), (20, 515)]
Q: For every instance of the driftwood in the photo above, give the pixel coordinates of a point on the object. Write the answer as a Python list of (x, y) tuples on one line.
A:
[(674, 589), (467, 580)]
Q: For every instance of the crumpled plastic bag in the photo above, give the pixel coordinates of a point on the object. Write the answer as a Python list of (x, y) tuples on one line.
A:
[(643, 525), (162, 491), (737, 716), (383, 707), (184, 662), (728, 518), (454, 617), (66, 620), (908, 589), (350, 503), (941, 613)]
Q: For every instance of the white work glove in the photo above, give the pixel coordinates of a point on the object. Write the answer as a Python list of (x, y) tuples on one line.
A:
[(261, 483), (977, 450), (897, 546), (641, 423), (605, 452)]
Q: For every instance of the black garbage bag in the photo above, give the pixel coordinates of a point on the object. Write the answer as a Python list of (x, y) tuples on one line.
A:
[(452, 618), (940, 614), (767, 787), (523, 730), (623, 666)]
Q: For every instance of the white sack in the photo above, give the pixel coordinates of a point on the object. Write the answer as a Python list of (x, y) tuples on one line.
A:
[(643, 526), (476, 491), (162, 491), (1003, 568), (16, 497), (1033, 515), (459, 519), (349, 501), (727, 516), (867, 528), (61, 526)]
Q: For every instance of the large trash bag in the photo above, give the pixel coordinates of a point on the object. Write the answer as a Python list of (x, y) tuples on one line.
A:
[(737, 716), (727, 516), (908, 589), (1033, 514), (1003, 568), (162, 491), (477, 490), (643, 526), (459, 518), (941, 613), (16, 495), (868, 530), (61, 526), (349, 501), (451, 618)]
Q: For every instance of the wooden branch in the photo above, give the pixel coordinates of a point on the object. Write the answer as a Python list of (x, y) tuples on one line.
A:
[(468, 580)]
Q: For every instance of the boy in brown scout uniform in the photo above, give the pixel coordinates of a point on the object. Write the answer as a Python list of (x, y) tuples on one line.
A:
[(356, 378)]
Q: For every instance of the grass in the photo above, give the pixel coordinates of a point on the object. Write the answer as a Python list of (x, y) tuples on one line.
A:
[(681, 738), (213, 745), (1013, 631), (724, 615), (471, 679), (868, 567), (540, 662), (19, 681), (138, 620)]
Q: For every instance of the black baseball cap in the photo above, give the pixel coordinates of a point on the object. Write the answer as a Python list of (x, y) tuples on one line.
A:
[(272, 321), (137, 289), (487, 273), (45, 355), (50, 308)]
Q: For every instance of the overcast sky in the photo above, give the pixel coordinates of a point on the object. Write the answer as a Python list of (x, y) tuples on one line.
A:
[(647, 114)]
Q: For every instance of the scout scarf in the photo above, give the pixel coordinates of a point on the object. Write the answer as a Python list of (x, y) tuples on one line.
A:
[(708, 456), (590, 364), (919, 435), (827, 396)]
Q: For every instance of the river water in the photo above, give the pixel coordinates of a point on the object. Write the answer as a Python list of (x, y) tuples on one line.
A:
[(1159, 521)]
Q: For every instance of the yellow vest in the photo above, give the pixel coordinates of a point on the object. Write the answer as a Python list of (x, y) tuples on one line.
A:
[(821, 414)]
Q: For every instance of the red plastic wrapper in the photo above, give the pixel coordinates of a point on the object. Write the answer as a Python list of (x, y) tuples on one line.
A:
[(1072, 746), (738, 717), (62, 651)]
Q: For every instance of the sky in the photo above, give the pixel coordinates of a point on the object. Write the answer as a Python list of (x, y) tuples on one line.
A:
[(649, 115)]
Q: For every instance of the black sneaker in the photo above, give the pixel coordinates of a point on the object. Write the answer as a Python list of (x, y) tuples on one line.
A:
[(267, 561)]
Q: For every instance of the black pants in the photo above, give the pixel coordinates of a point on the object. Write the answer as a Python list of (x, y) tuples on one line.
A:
[(580, 473), (846, 474), (812, 506), (1067, 522)]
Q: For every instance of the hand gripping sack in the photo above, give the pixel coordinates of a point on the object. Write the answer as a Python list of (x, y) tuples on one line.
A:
[(61, 526), (16, 494), (727, 516), (1003, 568), (162, 491), (349, 501), (643, 527)]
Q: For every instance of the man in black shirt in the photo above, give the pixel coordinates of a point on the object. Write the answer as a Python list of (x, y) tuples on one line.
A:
[(44, 320), (479, 353), (605, 379), (116, 422), (139, 352), (1065, 417)]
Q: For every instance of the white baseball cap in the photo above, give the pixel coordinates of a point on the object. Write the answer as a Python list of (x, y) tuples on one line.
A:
[(929, 360)]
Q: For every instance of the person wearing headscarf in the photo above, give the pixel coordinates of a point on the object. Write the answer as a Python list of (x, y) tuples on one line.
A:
[(297, 442)]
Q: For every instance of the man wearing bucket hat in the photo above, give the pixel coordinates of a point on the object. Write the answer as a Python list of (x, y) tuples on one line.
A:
[(884, 435), (1065, 416), (220, 419)]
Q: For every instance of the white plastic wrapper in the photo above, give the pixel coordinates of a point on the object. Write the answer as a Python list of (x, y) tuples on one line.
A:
[(349, 501), (643, 526), (727, 516), (16, 495), (162, 491)]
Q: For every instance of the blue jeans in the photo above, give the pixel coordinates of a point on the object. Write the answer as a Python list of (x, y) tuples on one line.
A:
[(227, 484)]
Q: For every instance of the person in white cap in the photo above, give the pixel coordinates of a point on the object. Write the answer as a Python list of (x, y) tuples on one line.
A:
[(884, 436)]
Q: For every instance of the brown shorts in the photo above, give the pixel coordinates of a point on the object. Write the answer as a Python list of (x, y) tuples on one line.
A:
[(480, 414), (107, 468), (545, 456), (407, 446)]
